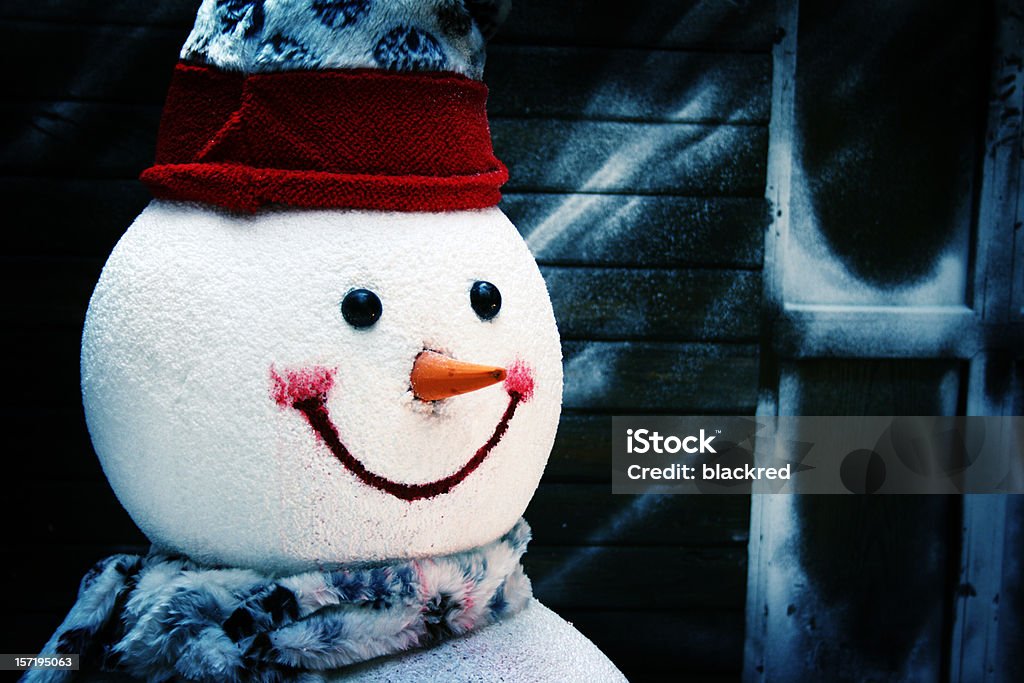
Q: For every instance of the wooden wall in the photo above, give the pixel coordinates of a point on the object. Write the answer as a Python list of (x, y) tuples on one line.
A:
[(636, 134)]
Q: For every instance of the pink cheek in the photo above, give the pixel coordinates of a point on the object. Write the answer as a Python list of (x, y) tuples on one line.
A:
[(519, 380), (292, 386)]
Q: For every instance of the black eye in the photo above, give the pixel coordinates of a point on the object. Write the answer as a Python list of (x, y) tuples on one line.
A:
[(361, 308), (485, 299)]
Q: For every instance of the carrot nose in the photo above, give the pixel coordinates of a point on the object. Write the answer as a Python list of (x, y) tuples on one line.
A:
[(436, 376)]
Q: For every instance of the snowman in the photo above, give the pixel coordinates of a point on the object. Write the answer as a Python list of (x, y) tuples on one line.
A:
[(321, 369)]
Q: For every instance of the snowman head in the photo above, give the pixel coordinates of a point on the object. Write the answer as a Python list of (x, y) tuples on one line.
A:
[(356, 375), (282, 390)]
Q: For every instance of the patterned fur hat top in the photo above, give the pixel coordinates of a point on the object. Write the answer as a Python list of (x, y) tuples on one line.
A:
[(255, 36)]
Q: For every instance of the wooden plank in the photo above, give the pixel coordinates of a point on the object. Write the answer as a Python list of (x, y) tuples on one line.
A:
[(177, 13), (1011, 597), (55, 291), (588, 515), (88, 513), (77, 513), (704, 642), (619, 303), (690, 24), (682, 24), (976, 624), (46, 370), (816, 331), (870, 387), (48, 576), (998, 290), (598, 577), (1017, 392), (583, 449), (117, 140), (47, 440), (30, 630), (690, 645), (49, 397), (69, 217), (599, 376), (704, 645), (114, 63), (984, 617), (78, 138), (593, 156), (100, 63), (649, 376), (581, 453), (86, 216), (64, 456), (582, 229), (628, 85), (704, 305)]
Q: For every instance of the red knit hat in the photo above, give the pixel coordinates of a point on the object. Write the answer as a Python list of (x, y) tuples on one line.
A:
[(331, 104)]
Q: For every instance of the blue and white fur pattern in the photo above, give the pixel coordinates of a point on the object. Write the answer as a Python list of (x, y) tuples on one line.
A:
[(165, 618), (255, 36)]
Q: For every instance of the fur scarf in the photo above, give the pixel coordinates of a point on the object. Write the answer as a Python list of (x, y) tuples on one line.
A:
[(161, 617)]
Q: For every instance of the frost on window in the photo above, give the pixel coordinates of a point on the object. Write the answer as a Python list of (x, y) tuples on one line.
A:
[(889, 104)]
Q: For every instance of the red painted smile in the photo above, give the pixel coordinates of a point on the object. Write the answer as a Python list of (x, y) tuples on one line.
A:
[(306, 391)]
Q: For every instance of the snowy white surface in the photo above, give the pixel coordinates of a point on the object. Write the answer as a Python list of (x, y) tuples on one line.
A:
[(195, 306), (533, 646)]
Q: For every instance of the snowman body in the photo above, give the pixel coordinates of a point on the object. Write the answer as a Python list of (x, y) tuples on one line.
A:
[(534, 645)]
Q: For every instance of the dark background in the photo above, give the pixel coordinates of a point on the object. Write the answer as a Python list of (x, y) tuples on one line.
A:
[(638, 139)]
